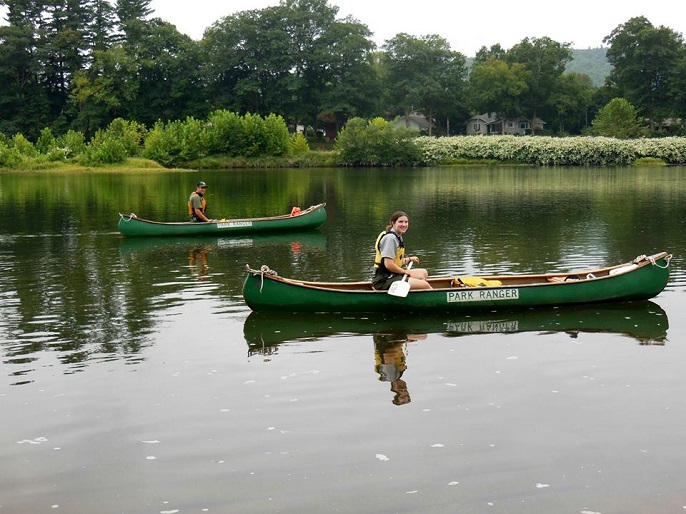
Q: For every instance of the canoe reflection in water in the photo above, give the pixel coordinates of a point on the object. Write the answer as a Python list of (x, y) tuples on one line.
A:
[(644, 321), (389, 352)]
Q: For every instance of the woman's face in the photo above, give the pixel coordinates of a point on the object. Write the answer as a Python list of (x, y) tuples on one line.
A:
[(400, 225)]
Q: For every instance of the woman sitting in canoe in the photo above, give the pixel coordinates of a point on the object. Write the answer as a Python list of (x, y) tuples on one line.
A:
[(390, 259)]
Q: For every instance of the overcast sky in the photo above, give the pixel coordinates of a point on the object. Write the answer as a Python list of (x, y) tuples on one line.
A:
[(467, 25)]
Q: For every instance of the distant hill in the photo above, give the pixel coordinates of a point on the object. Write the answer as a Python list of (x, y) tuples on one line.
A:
[(592, 62)]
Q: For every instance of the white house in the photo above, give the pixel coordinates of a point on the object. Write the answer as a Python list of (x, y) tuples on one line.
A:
[(488, 124), (414, 121)]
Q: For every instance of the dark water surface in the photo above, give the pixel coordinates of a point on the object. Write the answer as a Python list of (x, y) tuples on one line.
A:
[(135, 380)]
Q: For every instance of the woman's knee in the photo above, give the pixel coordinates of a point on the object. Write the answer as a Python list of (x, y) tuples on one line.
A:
[(417, 283), (419, 273)]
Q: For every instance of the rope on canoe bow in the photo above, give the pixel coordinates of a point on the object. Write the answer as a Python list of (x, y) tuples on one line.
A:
[(264, 270), (667, 258), (652, 260), (125, 218)]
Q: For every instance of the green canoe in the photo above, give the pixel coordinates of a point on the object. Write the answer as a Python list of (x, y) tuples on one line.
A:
[(640, 279), (644, 321), (132, 226)]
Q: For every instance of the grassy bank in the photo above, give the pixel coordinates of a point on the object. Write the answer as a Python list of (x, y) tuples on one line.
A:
[(311, 159), (131, 164)]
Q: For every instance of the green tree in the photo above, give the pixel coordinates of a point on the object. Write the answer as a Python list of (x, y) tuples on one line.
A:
[(64, 50), (353, 87), (497, 87), (545, 60), (424, 74), (484, 54), (617, 119), (156, 78), (296, 59), (23, 99), (645, 63), (678, 90), (572, 102), (23, 102)]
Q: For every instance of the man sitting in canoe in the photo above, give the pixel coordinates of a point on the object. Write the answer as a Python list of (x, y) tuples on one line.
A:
[(390, 257), (197, 205)]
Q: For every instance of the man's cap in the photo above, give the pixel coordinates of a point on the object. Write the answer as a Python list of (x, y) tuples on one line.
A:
[(201, 184)]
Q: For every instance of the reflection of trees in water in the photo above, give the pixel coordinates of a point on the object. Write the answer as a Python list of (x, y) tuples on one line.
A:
[(94, 297), (72, 296)]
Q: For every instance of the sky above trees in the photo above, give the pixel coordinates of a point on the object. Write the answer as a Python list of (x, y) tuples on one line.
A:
[(467, 26)]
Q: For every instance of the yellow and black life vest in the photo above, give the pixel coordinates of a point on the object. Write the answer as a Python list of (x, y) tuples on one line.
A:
[(203, 207), (399, 254)]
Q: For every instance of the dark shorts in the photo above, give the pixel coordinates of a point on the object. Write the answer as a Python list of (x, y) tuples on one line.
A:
[(382, 282)]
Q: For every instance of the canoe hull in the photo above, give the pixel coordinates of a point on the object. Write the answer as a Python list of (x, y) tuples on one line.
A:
[(263, 292), (313, 217)]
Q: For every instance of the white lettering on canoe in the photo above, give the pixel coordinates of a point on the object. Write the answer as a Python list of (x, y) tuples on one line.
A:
[(482, 295), (483, 326), (232, 224)]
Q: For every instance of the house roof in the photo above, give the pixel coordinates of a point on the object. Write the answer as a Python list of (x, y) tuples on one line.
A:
[(490, 118), (416, 118)]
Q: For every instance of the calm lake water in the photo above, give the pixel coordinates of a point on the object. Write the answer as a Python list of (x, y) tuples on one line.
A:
[(135, 380)]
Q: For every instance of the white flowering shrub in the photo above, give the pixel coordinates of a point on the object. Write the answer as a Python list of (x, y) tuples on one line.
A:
[(552, 151)]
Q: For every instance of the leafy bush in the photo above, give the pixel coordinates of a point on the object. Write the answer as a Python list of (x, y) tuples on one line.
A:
[(164, 143), (72, 144), (46, 141), (277, 140), (104, 150), (224, 133), (120, 140), (23, 146), (192, 139), (9, 156), (255, 136), (377, 143), (299, 144)]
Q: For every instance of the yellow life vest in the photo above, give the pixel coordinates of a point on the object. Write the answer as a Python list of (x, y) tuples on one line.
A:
[(399, 254), (203, 206)]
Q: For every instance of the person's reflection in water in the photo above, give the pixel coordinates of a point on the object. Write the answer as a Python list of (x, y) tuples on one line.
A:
[(391, 362), (198, 261)]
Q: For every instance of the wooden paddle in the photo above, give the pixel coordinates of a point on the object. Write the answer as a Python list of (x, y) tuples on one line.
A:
[(401, 287)]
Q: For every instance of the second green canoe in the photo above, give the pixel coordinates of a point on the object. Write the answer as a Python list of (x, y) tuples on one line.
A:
[(131, 225)]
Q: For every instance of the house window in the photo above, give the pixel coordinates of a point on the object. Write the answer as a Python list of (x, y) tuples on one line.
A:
[(510, 124), (523, 124), (477, 127)]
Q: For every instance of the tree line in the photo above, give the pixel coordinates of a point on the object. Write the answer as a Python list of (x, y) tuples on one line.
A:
[(80, 64)]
